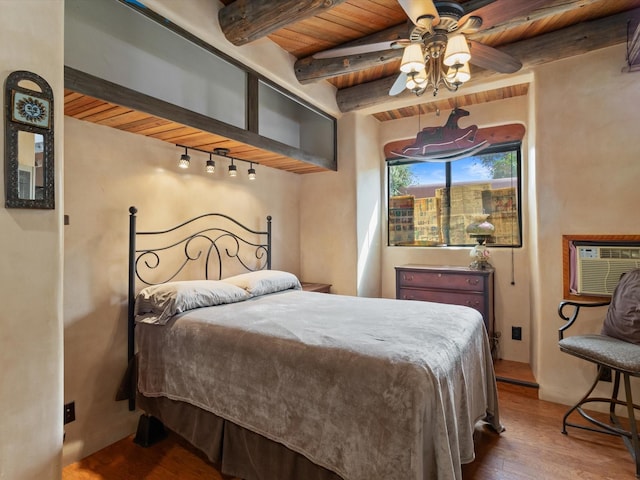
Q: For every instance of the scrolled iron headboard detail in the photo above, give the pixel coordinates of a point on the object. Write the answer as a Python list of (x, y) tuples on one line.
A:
[(210, 245)]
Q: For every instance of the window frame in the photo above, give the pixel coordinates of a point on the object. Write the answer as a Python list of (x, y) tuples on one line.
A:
[(515, 146)]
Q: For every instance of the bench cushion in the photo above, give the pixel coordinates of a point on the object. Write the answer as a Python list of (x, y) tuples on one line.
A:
[(607, 351)]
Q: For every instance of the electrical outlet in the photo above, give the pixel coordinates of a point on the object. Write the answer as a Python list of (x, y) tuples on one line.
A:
[(516, 333), (69, 412)]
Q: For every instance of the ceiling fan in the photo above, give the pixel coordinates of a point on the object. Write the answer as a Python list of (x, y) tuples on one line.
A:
[(437, 53)]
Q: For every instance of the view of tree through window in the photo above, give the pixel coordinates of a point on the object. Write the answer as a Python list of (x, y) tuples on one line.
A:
[(432, 203)]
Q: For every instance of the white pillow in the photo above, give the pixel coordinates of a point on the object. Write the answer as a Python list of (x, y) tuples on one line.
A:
[(262, 282), (158, 303)]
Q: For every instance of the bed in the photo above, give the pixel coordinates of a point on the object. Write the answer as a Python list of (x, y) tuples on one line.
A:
[(272, 382)]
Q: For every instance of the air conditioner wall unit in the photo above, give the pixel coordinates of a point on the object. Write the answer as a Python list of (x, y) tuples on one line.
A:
[(599, 267)]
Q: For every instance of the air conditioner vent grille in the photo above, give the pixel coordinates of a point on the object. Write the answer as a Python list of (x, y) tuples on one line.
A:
[(601, 277), (600, 267), (620, 252)]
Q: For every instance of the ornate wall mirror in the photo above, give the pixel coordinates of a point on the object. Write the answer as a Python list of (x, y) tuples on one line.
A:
[(28, 144)]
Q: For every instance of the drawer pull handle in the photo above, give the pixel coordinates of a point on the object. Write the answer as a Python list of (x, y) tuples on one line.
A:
[(407, 297), (473, 304), (473, 281), (408, 278)]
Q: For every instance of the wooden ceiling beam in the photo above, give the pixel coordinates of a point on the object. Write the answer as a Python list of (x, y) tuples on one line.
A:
[(567, 42), (553, 8), (244, 21)]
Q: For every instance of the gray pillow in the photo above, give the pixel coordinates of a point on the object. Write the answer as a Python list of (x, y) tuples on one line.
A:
[(623, 317), (158, 303), (263, 282)]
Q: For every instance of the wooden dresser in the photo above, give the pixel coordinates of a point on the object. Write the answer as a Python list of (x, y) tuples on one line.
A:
[(445, 284)]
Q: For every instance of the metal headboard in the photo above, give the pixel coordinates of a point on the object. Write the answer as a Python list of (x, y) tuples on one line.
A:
[(205, 239)]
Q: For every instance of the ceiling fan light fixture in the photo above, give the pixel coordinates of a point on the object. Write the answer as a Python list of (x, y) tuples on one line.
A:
[(458, 75), (412, 59), (417, 80), (457, 52)]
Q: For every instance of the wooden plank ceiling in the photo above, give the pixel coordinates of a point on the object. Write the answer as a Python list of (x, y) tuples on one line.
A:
[(448, 104)]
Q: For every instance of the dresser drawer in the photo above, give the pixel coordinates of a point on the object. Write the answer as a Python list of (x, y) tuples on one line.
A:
[(440, 280), (448, 284), (473, 300)]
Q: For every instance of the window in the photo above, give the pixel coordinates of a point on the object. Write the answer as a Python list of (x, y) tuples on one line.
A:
[(432, 203)]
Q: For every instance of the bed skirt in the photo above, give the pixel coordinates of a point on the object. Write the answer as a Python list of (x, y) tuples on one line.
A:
[(237, 451)]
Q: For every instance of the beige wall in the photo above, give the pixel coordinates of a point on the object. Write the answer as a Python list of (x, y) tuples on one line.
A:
[(328, 219), (369, 205), (511, 301), (587, 167), (31, 269), (106, 172), (340, 214)]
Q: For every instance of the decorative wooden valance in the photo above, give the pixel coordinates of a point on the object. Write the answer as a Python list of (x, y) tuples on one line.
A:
[(513, 132)]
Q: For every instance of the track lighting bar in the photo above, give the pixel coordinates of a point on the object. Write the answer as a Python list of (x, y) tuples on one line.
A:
[(210, 165)]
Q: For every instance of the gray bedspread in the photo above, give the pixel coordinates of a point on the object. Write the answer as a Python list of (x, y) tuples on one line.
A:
[(371, 389)]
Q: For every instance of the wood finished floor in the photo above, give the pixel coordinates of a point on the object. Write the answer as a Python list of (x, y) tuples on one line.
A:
[(532, 447), (516, 371)]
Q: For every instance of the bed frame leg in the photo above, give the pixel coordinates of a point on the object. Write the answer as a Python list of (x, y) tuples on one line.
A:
[(150, 431)]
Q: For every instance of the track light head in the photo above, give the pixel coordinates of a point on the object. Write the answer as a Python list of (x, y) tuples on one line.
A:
[(185, 159), (233, 170), (211, 165)]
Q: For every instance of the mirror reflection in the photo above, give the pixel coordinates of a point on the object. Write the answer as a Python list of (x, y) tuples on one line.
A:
[(30, 162), (29, 141)]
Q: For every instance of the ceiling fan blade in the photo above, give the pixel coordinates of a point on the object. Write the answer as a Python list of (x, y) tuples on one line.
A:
[(399, 85), (419, 8), (500, 11), (359, 49), (490, 58)]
